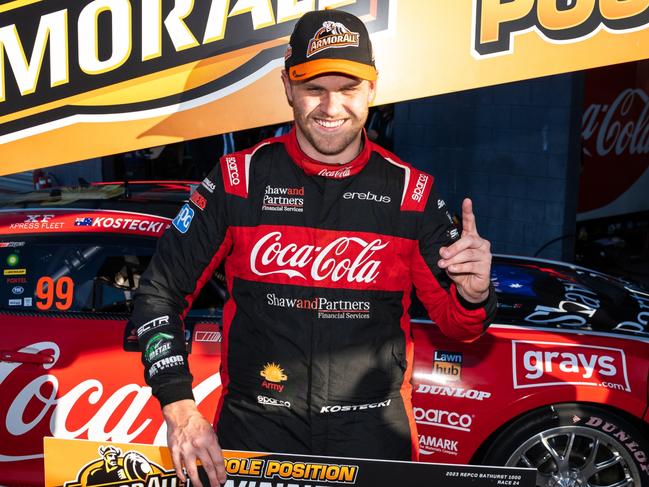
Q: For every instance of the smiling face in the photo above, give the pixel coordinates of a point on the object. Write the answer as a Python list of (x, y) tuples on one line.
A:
[(330, 112)]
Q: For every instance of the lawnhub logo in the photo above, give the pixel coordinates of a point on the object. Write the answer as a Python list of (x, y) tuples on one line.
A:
[(52, 52), (546, 364)]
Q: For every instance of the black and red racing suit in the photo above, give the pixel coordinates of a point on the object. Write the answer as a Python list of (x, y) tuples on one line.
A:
[(320, 262)]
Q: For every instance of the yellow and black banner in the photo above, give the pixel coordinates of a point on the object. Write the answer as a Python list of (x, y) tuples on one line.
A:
[(95, 77), (77, 463)]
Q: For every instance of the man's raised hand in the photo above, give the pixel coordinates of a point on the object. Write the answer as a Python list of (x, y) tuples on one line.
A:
[(468, 261)]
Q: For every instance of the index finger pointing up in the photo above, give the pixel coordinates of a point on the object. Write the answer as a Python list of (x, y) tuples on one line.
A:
[(468, 218)]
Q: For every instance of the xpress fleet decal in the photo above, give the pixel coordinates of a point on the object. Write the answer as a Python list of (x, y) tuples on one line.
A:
[(82, 221), (546, 364)]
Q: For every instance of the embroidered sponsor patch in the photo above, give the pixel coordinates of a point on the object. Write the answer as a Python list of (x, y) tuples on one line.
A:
[(184, 219)]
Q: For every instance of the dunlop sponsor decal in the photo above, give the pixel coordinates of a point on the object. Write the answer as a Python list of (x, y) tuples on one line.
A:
[(66, 62), (496, 23)]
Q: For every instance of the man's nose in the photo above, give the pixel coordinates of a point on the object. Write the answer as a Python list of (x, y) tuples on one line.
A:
[(331, 104)]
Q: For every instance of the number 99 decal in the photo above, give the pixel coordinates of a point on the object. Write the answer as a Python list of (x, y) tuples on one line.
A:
[(51, 293)]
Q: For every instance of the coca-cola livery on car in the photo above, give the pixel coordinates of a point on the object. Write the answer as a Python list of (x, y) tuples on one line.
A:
[(558, 382)]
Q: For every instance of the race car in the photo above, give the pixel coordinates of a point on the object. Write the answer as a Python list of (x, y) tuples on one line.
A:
[(559, 382)]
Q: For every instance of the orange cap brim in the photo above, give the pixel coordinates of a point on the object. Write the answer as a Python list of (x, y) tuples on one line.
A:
[(322, 66)]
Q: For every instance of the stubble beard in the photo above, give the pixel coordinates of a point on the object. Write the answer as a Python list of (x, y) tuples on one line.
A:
[(333, 144)]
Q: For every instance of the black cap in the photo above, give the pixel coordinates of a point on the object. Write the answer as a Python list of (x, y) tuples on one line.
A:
[(329, 41)]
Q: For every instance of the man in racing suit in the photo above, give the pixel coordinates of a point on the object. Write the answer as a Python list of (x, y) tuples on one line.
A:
[(323, 235)]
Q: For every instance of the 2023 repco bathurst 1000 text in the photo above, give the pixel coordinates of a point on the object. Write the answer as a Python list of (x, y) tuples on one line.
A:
[(558, 382)]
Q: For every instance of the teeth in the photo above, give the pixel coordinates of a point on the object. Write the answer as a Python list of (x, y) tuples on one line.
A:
[(330, 124)]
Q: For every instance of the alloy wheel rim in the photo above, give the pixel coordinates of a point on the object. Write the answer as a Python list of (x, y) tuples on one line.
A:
[(574, 456)]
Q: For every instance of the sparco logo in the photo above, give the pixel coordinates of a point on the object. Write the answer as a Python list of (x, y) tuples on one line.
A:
[(543, 364), (233, 170), (336, 173), (453, 392), (420, 187), (271, 401), (443, 419), (348, 258)]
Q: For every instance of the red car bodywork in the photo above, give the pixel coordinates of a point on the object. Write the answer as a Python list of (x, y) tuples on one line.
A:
[(71, 377)]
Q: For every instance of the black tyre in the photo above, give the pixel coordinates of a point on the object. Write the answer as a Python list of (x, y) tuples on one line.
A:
[(575, 445)]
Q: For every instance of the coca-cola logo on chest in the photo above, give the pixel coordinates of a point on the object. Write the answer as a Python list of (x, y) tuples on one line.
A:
[(350, 259)]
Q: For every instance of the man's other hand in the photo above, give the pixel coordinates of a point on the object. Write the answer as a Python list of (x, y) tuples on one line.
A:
[(190, 437), (468, 261)]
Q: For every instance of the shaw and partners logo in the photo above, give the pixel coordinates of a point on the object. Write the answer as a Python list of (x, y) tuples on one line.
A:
[(497, 22), (545, 364), (55, 53), (131, 469), (345, 258)]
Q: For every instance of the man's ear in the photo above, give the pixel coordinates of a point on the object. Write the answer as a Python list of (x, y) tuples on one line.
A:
[(371, 94), (287, 88)]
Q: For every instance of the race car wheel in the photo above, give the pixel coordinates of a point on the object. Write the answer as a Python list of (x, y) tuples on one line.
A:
[(574, 445)]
